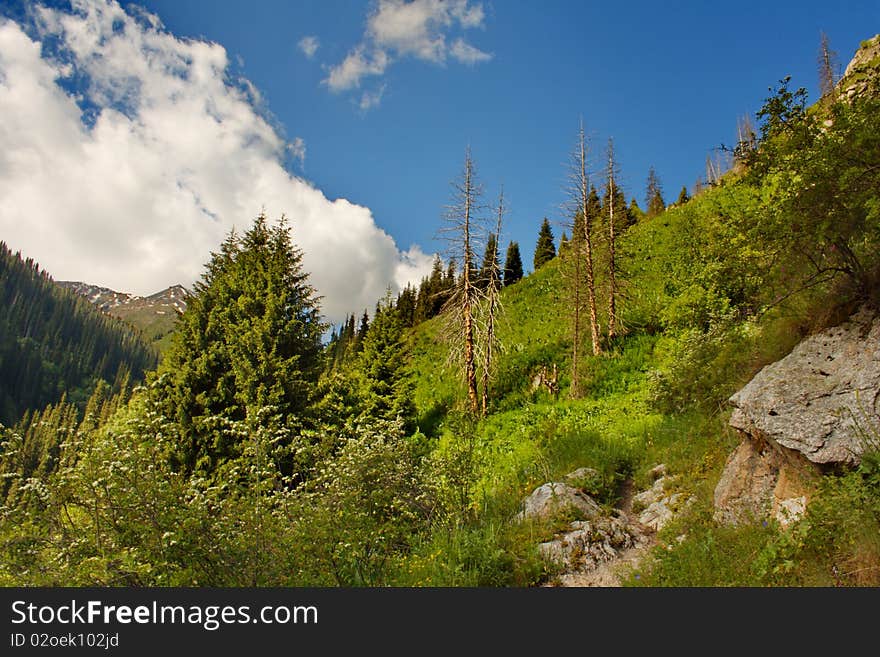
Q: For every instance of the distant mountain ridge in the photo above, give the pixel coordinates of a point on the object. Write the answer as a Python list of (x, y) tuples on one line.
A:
[(155, 315), (106, 299)]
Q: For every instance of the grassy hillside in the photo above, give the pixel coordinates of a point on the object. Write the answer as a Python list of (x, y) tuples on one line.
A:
[(713, 290), (251, 460)]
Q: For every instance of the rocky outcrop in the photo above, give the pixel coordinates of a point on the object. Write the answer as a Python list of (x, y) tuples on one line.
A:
[(656, 507), (815, 409), (760, 481), (863, 70), (589, 543), (823, 398), (592, 551), (555, 498)]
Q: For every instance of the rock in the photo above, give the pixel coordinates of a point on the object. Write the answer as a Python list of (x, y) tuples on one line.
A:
[(590, 543), (821, 398), (760, 482), (557, 497), (581, 475), (658, 508), (659, 513), (658, 471), (862, 71), (791, 510), (812, 411), (648, 497)]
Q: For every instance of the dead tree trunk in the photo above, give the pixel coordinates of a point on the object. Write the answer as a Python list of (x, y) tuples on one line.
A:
[(462, 224), (612, 247), (493, 306), (579, 193)]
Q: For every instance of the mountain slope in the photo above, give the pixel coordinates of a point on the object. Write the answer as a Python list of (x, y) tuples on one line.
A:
[(54, 343), (714, 289), (155, 315)]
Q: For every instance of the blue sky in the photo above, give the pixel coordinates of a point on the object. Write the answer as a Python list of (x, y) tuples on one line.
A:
[(511, 79)]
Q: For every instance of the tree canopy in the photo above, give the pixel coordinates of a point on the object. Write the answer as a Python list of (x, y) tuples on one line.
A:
[(513, 269), (249, 340), (545, 250)]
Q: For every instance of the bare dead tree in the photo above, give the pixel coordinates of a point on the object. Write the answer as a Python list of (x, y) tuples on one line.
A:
[(572, 261), (582, 249), (461, 229), (711, 171), (492, 310), (828, 68), (611, 190), (746, 138)]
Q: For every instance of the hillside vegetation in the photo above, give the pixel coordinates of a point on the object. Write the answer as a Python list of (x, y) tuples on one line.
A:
[(253, 457), (54, 344)]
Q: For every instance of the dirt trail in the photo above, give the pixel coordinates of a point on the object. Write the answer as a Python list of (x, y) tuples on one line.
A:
[(608, 573)]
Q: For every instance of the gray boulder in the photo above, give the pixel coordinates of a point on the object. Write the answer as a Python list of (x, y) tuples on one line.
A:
[(581, 475), (589, 543), (816, 409), (658, 508), (821, 400), (555, 497)]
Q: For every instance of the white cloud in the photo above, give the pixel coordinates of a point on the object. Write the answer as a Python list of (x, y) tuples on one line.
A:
[(173, 156), (467, 54), (397, 29), (298, 149), (356, 66), (309, 46), (371, 99)]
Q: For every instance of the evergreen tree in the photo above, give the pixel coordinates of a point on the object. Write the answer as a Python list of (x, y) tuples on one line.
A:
[(384, 384), (250, 339), (513, 269), (563, 245), (683, 196), (53, 342), (634, 212), (654, 195), (545, 249), (490, 269), (363, 327), (433, 292), (406, 305)]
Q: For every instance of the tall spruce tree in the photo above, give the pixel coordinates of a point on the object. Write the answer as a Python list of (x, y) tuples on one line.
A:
[(682, 196), (545, 249), (249, 340), (490, 270), (384, 384), (654, 195), (513, 269)]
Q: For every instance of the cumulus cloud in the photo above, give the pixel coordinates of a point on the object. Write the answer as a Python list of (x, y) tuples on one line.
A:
[(127, 155), (309, 46), (397, 29)]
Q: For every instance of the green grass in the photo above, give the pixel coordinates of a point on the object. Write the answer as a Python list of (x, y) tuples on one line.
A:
[(157, 328)]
